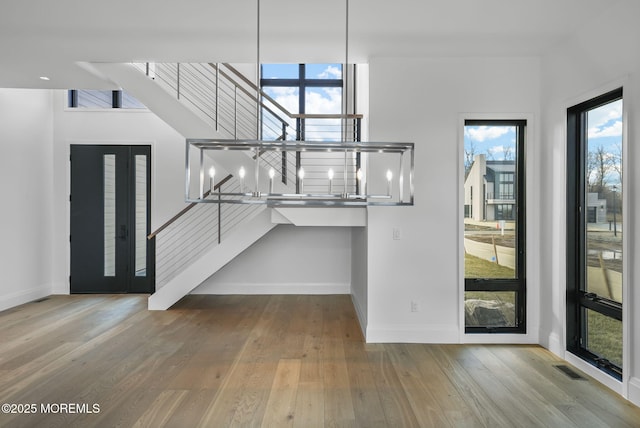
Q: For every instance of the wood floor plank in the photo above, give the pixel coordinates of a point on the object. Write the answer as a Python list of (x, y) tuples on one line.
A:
[(364, 394), (309, 407), (338, 406), (242, 395), (539, 381), (451, 360), (420, 395), (161, 409), (452, 404), (546, 414), (517, 412), (280, 408), (273, 361), (393, 397), (311, 367)]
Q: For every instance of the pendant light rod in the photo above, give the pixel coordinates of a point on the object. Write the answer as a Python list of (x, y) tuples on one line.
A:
[(258, 70), (346, 72)]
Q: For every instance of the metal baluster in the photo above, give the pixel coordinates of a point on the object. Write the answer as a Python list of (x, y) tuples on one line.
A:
[(345, 193), (219, 214), (217, 94), (178, 81), (201, 174)]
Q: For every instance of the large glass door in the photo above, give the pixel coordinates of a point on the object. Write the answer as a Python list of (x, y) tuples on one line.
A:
[(595, 231)]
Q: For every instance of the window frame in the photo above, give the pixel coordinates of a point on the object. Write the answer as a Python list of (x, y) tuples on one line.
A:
[(578, 299), (302, 83), (517, 284), (117, 101)]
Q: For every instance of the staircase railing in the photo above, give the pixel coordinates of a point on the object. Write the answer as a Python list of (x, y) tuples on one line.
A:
[(195, 229), (225, 98)]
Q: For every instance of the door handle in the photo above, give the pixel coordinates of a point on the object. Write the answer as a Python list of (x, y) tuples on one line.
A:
[(123, 232)]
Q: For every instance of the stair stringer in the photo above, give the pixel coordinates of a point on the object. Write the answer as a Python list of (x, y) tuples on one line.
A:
[(212, 261), (180, 117), (165, 105)]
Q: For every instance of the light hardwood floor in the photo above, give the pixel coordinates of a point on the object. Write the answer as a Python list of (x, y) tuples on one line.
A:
[(222, 361)]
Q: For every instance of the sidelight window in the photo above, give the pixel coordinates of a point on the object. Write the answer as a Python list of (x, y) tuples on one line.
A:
[(494, 226)]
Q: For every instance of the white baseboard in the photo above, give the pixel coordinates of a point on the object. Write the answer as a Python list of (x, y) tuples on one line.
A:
[(61, 288), (410, 333), (24, 296), (634, 390), (490, 339), (293, 288), (608, 381), (554, 344)]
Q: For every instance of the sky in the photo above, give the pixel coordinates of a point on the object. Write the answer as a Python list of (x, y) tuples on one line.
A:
[(604, 126), (604, 130), (495, 142)]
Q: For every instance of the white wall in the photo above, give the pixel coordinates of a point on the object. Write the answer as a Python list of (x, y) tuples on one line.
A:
[(115, 126), (599, 58), (319, 258), (289, 260), (26, 145), (424, 100)]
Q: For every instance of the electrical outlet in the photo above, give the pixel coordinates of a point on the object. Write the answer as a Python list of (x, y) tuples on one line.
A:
[(415, 306), (396, 234)]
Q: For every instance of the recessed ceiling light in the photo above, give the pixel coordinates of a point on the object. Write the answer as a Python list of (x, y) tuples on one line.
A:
[(44, 78)]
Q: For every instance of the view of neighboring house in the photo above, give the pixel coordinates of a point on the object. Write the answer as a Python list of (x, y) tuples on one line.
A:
[(596, 208), (489, 190)]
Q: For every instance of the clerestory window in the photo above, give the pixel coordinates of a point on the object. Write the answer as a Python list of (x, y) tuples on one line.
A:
[(98, 99)]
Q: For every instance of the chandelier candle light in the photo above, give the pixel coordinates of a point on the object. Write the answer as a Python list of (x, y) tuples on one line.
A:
[(330, 174), (212, 174), (241, 174), (301, 176), (272, 173)]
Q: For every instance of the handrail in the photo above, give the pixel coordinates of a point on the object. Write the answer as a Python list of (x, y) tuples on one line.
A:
[(255, 88), (186, 209), (327, 116)]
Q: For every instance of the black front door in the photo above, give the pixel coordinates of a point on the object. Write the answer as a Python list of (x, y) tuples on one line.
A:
[(110, 219)]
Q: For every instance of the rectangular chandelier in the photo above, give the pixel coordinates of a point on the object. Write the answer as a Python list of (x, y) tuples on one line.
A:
[(299, 173)]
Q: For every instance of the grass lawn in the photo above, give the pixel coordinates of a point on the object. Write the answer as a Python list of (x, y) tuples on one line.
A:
[(475, 267), (604, 337)]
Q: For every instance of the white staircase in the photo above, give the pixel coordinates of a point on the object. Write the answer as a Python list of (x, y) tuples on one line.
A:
[(186, 259), (212, 260), (162, 103)]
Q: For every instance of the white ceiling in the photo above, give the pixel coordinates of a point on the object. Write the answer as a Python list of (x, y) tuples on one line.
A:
[(49, 37)]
